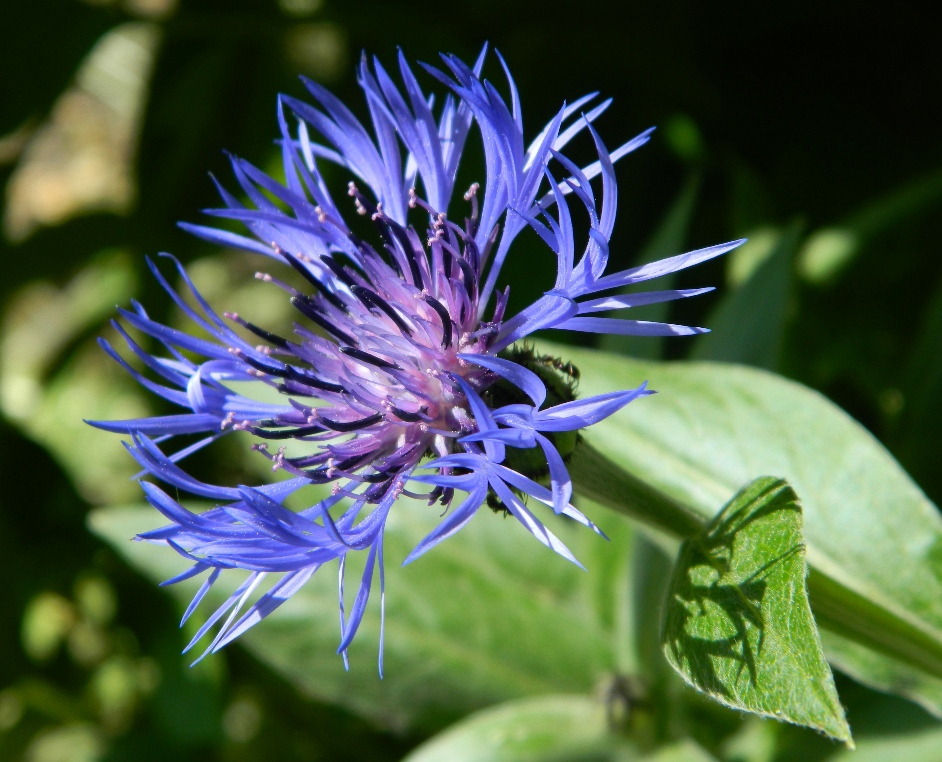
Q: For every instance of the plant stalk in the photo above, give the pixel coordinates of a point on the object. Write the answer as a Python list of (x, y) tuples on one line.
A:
[(835, 605)]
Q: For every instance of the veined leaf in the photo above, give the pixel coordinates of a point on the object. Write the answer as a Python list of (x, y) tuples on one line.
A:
[(738, 625), (490, 615), (713, 428), (748, 324)]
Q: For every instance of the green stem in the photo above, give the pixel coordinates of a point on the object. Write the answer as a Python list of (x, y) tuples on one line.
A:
[(597, 478), (836, 606)]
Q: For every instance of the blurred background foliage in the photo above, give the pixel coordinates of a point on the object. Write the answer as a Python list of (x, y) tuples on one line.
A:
[(810, 127)]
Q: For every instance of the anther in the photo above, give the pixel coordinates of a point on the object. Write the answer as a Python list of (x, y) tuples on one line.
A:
[(369, 359), (416, 200), (472, 191), (444, 317), (311, 313)]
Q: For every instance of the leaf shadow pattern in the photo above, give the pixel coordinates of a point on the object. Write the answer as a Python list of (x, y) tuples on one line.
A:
[(717, 611)]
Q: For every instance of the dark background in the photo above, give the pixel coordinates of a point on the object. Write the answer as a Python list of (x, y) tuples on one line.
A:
[(821, 115)]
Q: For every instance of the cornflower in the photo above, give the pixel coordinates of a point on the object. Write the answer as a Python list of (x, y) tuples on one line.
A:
[(404, 376)]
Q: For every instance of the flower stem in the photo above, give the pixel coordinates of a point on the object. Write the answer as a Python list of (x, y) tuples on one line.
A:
[(836, 605), (597, 478)]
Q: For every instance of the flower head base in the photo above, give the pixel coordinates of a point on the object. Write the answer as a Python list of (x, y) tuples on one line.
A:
[(402, 350)]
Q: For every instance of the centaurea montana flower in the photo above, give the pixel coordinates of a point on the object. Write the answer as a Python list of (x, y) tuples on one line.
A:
[(403, 351)]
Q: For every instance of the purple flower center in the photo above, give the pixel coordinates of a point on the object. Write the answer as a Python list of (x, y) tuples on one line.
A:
[(385, 365)]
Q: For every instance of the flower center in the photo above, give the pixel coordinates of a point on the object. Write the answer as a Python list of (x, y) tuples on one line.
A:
[(383, 370)]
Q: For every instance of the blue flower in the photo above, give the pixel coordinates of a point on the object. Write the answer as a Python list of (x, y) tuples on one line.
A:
[(402, 351)]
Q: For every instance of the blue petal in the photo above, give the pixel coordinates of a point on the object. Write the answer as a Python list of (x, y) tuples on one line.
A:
[(523, 378)]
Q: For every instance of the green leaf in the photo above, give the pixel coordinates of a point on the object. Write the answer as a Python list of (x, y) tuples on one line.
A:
[(713, 428), (749, 323), (488, 616), (547, 728), (738, 625)]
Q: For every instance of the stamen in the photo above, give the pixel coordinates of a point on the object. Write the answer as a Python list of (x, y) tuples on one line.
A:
[(329, 295), (299, 431), (266, 278), (359, 354), (260, 332), (337, 269), (472, 196), (393, 232), (302, 388), (444, 317), (363, 206), (415, 200), (369, 297), (404, 414), (309, 311), (351, 425), (470, 280)]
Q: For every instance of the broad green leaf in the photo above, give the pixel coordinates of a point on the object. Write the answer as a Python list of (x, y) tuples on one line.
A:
[(487, 616), (713, 427), (749, 323), (738, 625), (543, 729)]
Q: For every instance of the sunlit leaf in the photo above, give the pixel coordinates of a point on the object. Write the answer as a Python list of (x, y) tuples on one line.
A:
[(544, 729), (713, 428), (738, 625), (748, 325), (488, 616)]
